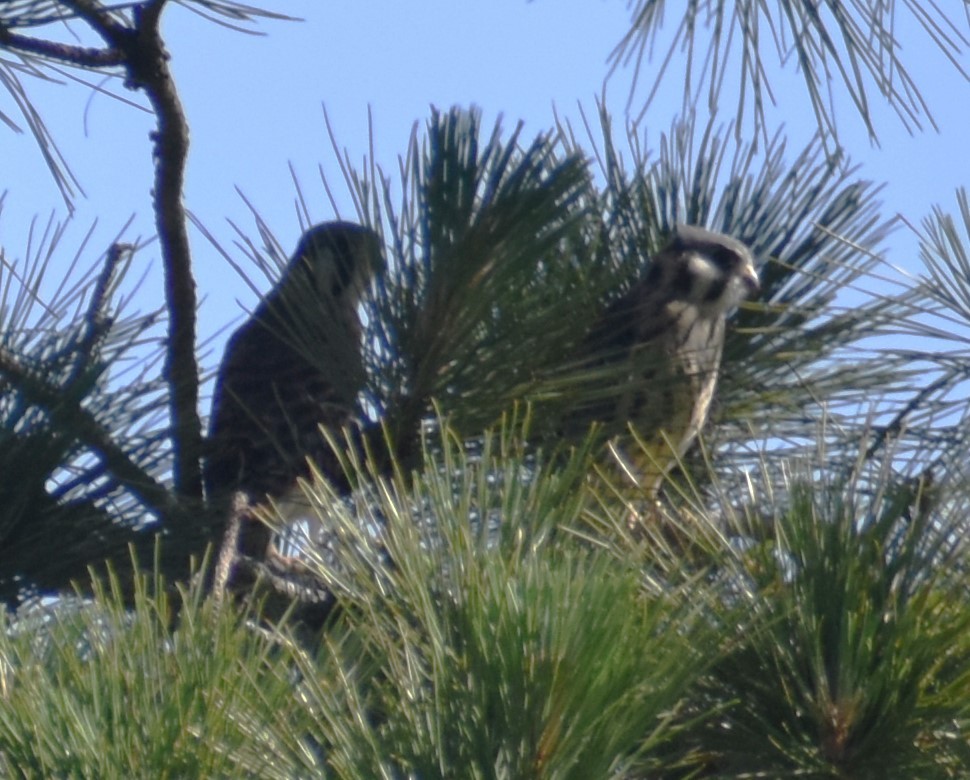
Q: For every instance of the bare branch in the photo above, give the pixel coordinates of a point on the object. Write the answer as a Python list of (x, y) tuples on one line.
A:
[(81, 56), (146, 62), (100, 20)]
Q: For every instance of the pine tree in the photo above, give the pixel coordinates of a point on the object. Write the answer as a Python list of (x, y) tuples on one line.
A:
[(494, 616)]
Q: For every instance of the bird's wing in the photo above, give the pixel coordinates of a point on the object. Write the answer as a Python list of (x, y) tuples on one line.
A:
[(268, 404), (627, 363)]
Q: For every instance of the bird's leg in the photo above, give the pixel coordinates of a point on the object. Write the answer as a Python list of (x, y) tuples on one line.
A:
[(229, 550)]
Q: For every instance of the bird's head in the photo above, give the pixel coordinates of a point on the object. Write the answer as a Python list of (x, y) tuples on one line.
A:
[(317, 298), (708, 269), (340, 258)]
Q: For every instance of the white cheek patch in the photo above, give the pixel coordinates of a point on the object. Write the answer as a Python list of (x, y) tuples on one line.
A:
[(704, 275), (702, 269)]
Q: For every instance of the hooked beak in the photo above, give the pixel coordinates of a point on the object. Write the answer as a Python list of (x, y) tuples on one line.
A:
[(749, 277)]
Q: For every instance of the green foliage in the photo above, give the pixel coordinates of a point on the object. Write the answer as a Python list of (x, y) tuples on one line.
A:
[(856, 664), (92, 690), (496, 644), (939, 332), (496, 616), (487, 626), (78, 417), (487, 243)]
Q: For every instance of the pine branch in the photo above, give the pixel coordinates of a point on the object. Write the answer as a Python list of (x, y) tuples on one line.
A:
[(140, 51), (96, 322), (69, 415), (82, 56), (99, 18)]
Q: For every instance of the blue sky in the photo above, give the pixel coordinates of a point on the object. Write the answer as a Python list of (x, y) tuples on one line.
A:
[(254, 105)]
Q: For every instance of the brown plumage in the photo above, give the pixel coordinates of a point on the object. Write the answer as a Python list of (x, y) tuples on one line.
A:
[(293, 366), (653, 357)]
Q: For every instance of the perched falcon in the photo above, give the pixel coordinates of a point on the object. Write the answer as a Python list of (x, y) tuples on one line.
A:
[(655, 353), (293, 366)]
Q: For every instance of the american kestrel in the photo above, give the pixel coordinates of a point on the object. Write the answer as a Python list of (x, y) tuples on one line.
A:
[(655, 352), (293, 366)]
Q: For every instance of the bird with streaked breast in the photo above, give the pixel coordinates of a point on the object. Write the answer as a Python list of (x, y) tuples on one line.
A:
[(295, 365), (655, 352)]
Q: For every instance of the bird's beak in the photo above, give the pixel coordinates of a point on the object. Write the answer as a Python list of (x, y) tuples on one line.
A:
[(749, 277)]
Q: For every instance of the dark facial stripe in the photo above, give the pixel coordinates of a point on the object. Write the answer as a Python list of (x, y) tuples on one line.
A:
[(725, 258), (715, 290), (683, 282)]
